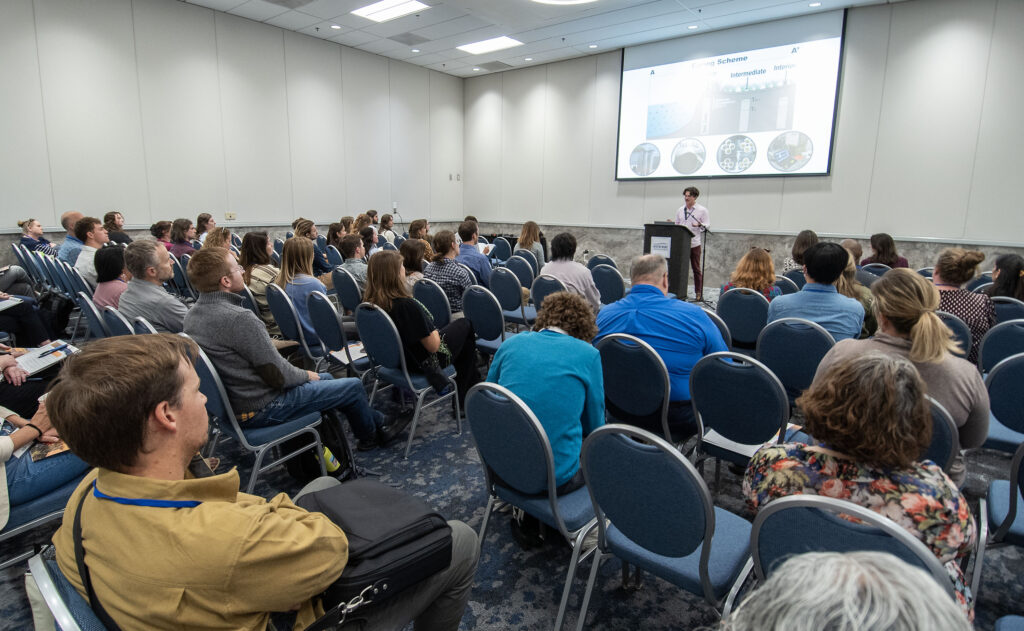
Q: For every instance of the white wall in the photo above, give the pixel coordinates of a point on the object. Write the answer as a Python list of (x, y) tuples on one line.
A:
[(926, 142), (162, 109)]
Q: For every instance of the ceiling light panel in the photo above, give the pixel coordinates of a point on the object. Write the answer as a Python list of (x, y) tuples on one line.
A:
[(389, 9), (490, 45)]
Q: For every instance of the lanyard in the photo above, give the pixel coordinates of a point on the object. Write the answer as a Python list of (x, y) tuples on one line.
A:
[(144, 502)]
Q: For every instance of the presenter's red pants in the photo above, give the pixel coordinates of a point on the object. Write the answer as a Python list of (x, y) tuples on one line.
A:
[(698, 276)]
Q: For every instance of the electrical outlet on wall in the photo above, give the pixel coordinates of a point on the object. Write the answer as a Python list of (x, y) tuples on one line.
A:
[(230, 216)]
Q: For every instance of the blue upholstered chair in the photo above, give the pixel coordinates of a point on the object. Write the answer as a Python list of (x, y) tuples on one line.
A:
[(116, 323), (983, 279), (321, 241), (926, 271), (334, 256), (522, 269), (878, 269), (97, 327), (1001, 341), (1006, 399), (636, 383), (961, 332), (141, 326), (509, 293), (1007, 308), (482, 309), (945, 443), (389, 246), (797, 276), (601, 259), (660, 517), (434, 299), (866, 278), (347, 288), (723, 328), (249, 301), (530, 257), (609, 283), (745, 311), (30, 515), (785, 285), (328, 325), (1004, 503), (792, 348), (278, 246), (181, 284), (287, 319), (543, 286), (1010, 623), (502, 250), (70, 611)]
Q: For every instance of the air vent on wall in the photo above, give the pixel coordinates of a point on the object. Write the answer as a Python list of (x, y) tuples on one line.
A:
[(409, 39), (290, 4), (494, 65)]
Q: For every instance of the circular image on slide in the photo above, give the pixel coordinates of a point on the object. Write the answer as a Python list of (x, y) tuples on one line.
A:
[(688, 156), (790, 151), (736, 153), (645, 159)]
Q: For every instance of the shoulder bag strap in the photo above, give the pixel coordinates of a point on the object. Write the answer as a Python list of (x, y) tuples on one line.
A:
[(83, 569)]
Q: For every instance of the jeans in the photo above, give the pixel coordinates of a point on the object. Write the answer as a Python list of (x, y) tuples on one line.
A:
[(318, 396), (27, 480), (16, 281)]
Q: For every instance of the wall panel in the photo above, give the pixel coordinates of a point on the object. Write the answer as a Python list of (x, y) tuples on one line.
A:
[(367, 130), (410, 138), (568, 140), (446, 138), (484, 177), (523, 129)]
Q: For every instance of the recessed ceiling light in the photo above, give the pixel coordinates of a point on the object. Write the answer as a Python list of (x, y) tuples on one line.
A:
[(592, 46), (335, 26), (814, 5), (563, 1), (389, 9), (476, 70), (692, 27), (490, 45), (527, 58), (415, 50)]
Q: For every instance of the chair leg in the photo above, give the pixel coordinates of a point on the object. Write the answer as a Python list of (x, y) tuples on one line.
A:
[(255, 470), (458, 408), (487, 518), (730, 600), (415, 420), (571, 573), (979, 556), (590, 588)]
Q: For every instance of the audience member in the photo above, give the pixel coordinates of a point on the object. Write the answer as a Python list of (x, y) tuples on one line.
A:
[(297, 280), (819, 301), (204, 224), (852, 591), (362, 221), (321, 265), (853, 247), (354, 256), (470, 256), (246, 556), (369, 236), (372, 214), (955, 267), (883, 250), (564, 389), (755, 271), (529, 239), (420, 229), (182, 234), (848, 285), (23, 321), (573, 275), (335, 232), (145, 296), (870, 422), (257, 272), (92, 234), (905, 304), (114, 223), (680, 332), (412, 251), (1008, 277), (161, 231), (32, 237), (427, 349), (68, 251), (446, 272), (111, 277), (17, 393), (795, 260), (346, 223), (217, 238), (387, 228)]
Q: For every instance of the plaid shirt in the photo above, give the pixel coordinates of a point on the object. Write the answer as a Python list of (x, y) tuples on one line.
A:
[(453, 279)]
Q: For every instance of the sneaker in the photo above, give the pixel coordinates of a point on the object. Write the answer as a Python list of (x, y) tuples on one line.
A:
[(390, 430)]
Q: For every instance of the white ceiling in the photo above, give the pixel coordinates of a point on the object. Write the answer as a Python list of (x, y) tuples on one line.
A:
[(548, 32)]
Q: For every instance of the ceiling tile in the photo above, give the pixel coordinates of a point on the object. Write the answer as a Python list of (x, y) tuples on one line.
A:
[(327, 9), (452, 27), (294, 20), (415, 21), (379, 46), (218, 5), (353, 38), (258, 10)]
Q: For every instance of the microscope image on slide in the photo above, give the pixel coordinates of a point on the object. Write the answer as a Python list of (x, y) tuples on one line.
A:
[(734, 107)]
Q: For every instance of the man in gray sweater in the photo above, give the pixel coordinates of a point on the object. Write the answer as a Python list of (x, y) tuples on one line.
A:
[(263, 388)]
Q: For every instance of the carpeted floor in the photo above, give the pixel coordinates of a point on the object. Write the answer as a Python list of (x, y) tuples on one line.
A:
[(518, 589)]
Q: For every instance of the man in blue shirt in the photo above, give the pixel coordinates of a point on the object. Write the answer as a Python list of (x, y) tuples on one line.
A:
[(819, 301), (69, 250), (469, 254), (681, 333)]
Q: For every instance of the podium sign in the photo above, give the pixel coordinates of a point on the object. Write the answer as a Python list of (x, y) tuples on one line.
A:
[(672, 242)]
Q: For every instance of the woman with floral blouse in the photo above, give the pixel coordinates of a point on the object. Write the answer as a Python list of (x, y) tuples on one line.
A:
[(870, 422)]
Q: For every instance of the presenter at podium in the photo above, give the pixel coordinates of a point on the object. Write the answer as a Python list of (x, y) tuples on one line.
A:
[(696, 218)]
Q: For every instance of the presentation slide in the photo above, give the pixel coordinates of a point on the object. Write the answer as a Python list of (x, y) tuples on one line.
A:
[(761, 112)]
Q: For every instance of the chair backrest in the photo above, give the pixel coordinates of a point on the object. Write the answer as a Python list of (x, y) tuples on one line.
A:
[(792, 348), (502, 249), (181, 279), (218, 405), (1001, 341), (982, 289), (75, 278), (249, 301), (530, 257), (289, 234), (321, 241), (810, 523), (609, 283), (45, 266), (797, 276), (327, 322), (636, 383), (1006, 397), (482, 309), (348, 289), (511, 443), (542, 287), (287, 319), (506, 288), (945, 444), (723, 328), (380, 337), (141, 326), (662, 505), (275, 258), (389, 246), (16, 248), (926, 271), (278, 246), (399, 240), (434, 299), (601, 259), (878, 269), (1016, 492), (1008, 308), (785, 285), (984, 279), (62, 275), (746, 313), (70, 611), (334, 256), (116, 323), (236, 240), (738, 397), (866, 278), (961, 332), (97, 327), (522, 269), (482, 239)]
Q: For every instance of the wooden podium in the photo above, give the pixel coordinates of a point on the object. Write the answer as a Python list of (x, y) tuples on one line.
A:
[(672, 242)]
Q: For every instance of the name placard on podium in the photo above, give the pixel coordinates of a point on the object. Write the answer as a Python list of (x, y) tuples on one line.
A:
[(672, 242)]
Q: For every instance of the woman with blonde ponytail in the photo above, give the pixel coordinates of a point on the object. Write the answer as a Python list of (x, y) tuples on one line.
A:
[(904, 305)]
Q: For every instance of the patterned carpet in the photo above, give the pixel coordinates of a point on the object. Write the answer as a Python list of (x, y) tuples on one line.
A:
[(520, 590)]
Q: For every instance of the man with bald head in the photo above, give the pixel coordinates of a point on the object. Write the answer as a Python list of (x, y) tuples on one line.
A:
[(72, 245), (680, 332), (853, 247)]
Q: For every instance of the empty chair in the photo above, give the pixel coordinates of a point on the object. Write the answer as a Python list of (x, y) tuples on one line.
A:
[(530, 257), (878, 269), (609, 283), (519, 470), (543, 286), (636, 383), (116, 323), (1006, 398), (1008, 308), (141, 326), (792, 348), (329, 328), (601, 259), (786, 285), (660, 516), (502, 250), (509, 293), (723, 328), (522, 269), (797, 276), (1001, 341), (434, 299), (482, 309), (334, 256), (745, 311), (945, 443), (961, 332)]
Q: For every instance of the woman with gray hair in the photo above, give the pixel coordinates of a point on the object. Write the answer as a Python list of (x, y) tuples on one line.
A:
[(870, 422), (865, 591)]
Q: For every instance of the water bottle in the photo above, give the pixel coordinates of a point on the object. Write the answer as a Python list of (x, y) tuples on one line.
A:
[(331, 462)]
